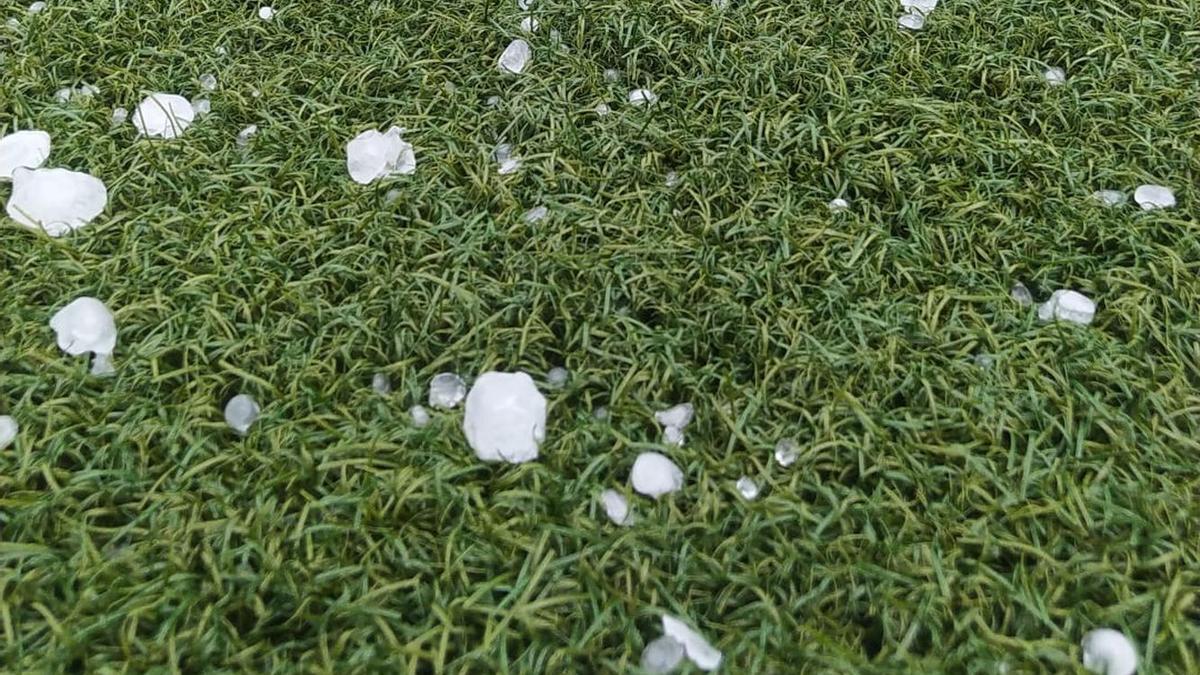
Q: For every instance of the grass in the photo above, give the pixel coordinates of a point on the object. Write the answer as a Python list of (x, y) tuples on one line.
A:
[(942, 518)]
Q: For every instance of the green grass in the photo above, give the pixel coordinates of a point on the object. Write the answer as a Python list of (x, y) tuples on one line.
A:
[(942, 518)]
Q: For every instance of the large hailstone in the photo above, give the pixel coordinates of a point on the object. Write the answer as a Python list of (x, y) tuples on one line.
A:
[(1151, 197), (1068, 306), (8, 431), (515, 57), (372, 155), (86, 326), (505, 418), (698, 650), (1109, 652), (56, 200), (163, 115), (654, 475), (28, 149)]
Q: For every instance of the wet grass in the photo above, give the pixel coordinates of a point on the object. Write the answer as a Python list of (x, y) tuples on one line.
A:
[(942, 517)]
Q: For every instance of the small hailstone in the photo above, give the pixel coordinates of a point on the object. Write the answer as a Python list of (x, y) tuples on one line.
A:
[(241, 412), (642, 97), (1109, 652), (1068, 306), (720, 4), (654, 475), (83, 326), (922, 6), (524, 5), (28, 149), (611, 74), (372, 155), (13, 23), (557, 377), (1021, 294), (600, 413), (662, 655), (37, 7), (493, 101), (201, 106), (509, 166), (535, 214), (392, 197), (678, 416), (1109, 197), (616, 507), (419, 415), (787, 450), (672, 179), (912, 21), (838, 205), (446, 391), (208, 82), (244, 136), (602, 109), (698, 650), (673, 436), (9, 429), (748, 488), (529, 25), (221, 50), (255, 93), (163, 115), (56, 200), (266, 13), (505, 418), (1151, 197), (515, 57), (86, 90), (984, 361), (119, 116), (381, 383), (64, 94), (1055, 76)]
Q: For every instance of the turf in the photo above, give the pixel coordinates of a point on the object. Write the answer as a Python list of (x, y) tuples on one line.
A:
[(943, 517)]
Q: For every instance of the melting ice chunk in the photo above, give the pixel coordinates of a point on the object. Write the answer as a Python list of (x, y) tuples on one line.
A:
[(1109, 197), (787, 450), (654, 475), (419, 415), (662, 655), (535, 214), (505, 418), (381, 383), (56, 200), (28, 149), (119, 116), (244, 136), (748, 488), (87, 326), (241, 412), (446, 390), (1151, 197), (163, 115), (1021, 294), (372, 155), (529, 25), (208, 82), (1068, 306), (698, 650), (515, 57)]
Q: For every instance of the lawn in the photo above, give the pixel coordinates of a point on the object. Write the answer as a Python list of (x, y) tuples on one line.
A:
[(974, 491)]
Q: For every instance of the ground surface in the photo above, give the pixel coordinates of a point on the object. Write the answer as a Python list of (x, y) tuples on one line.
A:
[(942, 517)]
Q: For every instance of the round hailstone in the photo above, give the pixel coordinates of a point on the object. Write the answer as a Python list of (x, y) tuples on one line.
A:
[(1055, 76), (616, 507), (557, 377), (600, 413), (524, 5), (241, 412), (56, 200), (244, 136), (419, 415), (673, 436), (208, 82), (1151, 197), (505, 418), (266, 12), (201, 106), (912, 21), (654, 475), (611, 74), (1109, 197), (602, 109), (163, 115), (535, 214), (642, 97), (529, 25), (1021, 294), (493, 101), (748, 488), (922, 6), (984, 361), (515, 57), (662, 655), (8, 431), (37, 7), (1068, 306), (381, 383), (119, 116), (1109, 652), (678, 416), (838, 205), (87, 326), (446, 391), (372, 155), (698, 650), (787, 451), (28, 149)]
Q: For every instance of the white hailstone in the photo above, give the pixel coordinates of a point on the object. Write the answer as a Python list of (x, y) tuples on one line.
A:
[(912, 21), (163, 115), (8, 431), (698, 650), (748, 488), (787, 451), (673, 436), (672, 179), (642, 97), (720, 4), (221, 50), (419, 415), (86, 325), (28, 149), (515, 57), (208, 82), (611, 74), (1151, 197), (662, 655), (984, 361), (255, 93), (37, 7), (505, 418), (244, 136), (1109, 197), (838, 205), (676, 416), (381, 384), (119, 116), (602, 109), (372, 155), (1109, 652), (1055, 76), (654, 475), (535, 214), (600, 413), (64, 94), (505, 159), (86, 90), (241, 412), (922, 6), (557, 377), (1021, 294), (1068, 306), (524, 5), (201, 106), (446, 391), (493, 101), (13, 23), (616, 507), (529, 25), (56, 200), (266, 12)]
